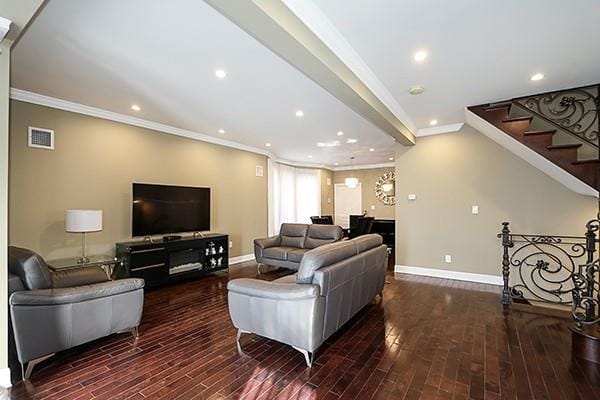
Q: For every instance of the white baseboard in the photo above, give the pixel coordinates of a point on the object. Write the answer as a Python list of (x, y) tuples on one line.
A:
[(5, 378), (456, 275), (241, 259)]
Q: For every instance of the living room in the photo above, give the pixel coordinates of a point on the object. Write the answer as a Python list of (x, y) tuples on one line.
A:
[(276, 212)]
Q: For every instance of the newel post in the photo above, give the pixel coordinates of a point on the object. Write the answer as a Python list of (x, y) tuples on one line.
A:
[(506, 245)]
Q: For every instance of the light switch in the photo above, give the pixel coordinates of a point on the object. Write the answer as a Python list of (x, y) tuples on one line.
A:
[(475, 210), (412, 197), (372, 206), (328, 181), (329, 200), (260, 170), (448, 258)]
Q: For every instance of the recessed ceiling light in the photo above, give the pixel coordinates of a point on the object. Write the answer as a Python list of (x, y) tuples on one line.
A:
[(537, 77), (221, 131), (299, 113), (268, 144), (135, 107), (336, 163), (350, 141), (416, 90), (309, 156), (371, 149), (340, 133), (391, 158), (433, 122), (420, 56), (220, 73)]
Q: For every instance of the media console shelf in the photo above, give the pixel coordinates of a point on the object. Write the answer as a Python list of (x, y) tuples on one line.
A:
[(161, 262)]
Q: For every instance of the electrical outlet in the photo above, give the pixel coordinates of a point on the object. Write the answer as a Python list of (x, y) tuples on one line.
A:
[(475, 210), (448, 258), (231, 244), (412, 197)]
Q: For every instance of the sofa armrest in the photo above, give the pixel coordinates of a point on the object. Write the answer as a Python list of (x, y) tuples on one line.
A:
[(273, 290), (78, 277), (75, 294), (265, 243)]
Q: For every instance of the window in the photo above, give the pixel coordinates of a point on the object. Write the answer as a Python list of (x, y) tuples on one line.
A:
[(294, 195)]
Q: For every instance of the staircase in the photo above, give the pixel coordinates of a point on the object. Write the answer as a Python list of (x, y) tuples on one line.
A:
[(561, 126)]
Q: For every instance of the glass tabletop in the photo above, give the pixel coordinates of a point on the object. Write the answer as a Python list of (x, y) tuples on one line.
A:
[(92, 261)]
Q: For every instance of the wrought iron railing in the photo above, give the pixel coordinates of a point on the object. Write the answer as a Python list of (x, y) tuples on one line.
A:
[(575, 111), (559, 270)]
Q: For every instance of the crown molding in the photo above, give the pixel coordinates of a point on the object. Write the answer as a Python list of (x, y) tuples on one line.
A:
[(364, 166), (47, 101), (438, 130), (53, 102)]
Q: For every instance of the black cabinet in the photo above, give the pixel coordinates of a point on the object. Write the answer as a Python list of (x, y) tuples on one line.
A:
[(162, 262)]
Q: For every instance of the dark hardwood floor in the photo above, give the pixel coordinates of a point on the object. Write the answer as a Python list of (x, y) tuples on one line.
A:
[(429, 339)]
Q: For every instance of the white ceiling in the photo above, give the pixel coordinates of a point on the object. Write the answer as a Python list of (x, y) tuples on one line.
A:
[(478, 51), (162, 55)]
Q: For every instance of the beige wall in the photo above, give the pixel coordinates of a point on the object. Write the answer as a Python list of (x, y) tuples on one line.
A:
[(367, 178), (450, 173), (326, 192), (93, 165), (4, 105)]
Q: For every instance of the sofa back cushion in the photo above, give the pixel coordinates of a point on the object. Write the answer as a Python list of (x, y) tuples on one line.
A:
[(333, 253), (293, 235), (319, 235), (30, 267)]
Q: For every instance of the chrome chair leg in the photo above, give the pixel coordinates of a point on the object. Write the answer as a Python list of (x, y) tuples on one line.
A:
[(26, 373), (237, 341), (135, 332), (308, 356)]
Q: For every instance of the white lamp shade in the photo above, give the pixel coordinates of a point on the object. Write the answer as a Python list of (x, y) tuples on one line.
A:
[(83, 220), (351, 182)]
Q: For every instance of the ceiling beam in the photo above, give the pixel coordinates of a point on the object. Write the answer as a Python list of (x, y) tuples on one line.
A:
[(299, 33)]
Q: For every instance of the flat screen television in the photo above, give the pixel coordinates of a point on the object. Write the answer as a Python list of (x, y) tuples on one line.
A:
[(162, 209)]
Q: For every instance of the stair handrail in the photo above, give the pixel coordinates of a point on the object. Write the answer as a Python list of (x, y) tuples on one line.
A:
[(575, 111)]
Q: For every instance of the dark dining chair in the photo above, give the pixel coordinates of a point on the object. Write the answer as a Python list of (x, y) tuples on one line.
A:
[(322, 220), (364, 227)]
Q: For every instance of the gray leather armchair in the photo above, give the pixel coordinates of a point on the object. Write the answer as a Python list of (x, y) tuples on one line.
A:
[(53, 311), (333, 283), (294, 240)]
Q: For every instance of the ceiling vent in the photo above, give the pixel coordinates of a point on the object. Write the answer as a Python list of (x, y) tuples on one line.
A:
[(40, 138)]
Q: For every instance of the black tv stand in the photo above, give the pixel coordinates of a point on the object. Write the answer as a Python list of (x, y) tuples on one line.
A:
[(172, 260), (170, 238)]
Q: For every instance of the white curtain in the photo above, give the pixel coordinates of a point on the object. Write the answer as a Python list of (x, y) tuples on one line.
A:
[(294, 195)]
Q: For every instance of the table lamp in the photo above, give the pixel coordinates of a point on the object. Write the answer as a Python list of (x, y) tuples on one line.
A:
[(83, 221)]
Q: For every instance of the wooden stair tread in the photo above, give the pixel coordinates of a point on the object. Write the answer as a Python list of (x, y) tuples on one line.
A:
[(542, 132), (517, 119), (497, 107), (586, 162), (564, 146)]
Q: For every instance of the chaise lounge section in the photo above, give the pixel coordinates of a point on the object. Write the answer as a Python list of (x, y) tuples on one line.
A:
[(333, 283)]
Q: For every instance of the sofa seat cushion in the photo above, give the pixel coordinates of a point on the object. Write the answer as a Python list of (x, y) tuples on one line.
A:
[(278, 253), (296, 255)]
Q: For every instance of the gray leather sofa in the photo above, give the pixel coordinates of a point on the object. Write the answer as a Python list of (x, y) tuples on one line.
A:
[(333, 283), (53, 311), (294, 240)]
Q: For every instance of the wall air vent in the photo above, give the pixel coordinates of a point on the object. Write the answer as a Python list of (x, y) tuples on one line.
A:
[(40, 138)]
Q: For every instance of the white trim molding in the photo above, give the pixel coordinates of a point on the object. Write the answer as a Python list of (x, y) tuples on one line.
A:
[(365, 166), (444, 273), (438, 130), (47, 101), (5, 378), (241, 259)]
